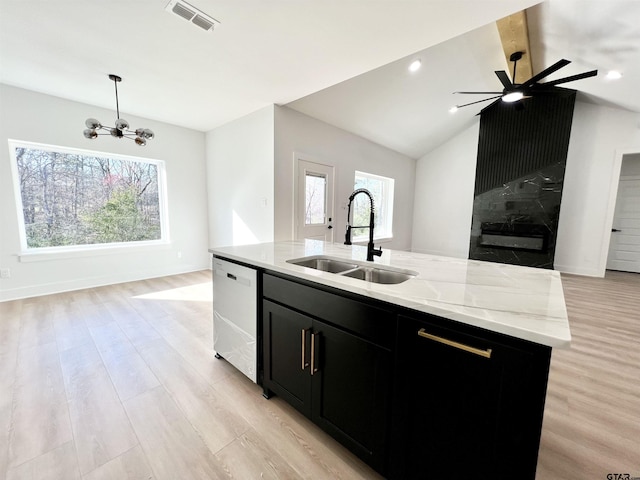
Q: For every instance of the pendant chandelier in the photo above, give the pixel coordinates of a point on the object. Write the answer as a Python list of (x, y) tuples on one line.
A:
[(121, 129)]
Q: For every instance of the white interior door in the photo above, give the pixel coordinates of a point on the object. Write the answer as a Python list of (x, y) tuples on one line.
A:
[(624, 248), (314, 202)]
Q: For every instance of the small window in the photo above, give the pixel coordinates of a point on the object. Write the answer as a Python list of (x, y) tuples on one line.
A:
[(78, 199), (315, 199), (382, 190)]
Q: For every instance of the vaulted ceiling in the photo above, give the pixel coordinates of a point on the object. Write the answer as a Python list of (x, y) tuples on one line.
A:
[(340, 61)]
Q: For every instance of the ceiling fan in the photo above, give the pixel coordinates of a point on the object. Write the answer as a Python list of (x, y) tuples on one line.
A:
[(514, 92)]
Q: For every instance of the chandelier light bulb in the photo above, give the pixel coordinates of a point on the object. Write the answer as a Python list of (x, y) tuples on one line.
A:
[(122, 124), (90, 134), (92, 123), (121, 129)]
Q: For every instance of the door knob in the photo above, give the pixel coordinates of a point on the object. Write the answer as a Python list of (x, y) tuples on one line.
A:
[(615, 230), (330, 227)]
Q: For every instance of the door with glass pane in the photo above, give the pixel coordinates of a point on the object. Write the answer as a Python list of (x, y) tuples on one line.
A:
[(314, 204)]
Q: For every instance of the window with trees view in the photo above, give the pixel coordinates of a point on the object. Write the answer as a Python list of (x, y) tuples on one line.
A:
[(381, 189), (77, 198)]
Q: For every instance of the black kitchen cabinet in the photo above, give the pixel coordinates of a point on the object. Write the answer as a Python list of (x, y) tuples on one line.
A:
[(330, 357), (286, 360), (468, 403), (414, 395)]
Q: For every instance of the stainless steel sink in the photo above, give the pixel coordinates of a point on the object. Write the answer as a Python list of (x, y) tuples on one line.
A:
[(379, 275), (324, 264), (355, 269)]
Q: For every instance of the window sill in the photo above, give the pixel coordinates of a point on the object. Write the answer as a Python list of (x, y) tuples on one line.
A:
[(60, 253)]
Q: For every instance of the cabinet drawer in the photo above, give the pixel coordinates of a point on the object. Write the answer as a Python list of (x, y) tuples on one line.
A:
[(371, 323)]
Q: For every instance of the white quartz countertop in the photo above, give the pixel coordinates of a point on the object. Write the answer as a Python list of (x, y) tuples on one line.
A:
[(522, 302)]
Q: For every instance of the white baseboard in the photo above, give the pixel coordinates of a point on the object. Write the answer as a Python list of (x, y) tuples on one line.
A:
[(460, 255), (572, 269), (91, 282)]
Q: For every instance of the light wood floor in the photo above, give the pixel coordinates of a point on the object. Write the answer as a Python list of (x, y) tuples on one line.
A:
[(592, 413), (120, 383)]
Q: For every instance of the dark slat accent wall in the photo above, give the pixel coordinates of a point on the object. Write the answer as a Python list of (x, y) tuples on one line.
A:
[(522, 153), (516, 141)]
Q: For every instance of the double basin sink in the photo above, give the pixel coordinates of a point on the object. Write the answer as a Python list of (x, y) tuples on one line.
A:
[(353, 269)]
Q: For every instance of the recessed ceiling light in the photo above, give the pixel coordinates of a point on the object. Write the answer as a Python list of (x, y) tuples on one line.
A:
[(453, 109), (614, 75), (415, 65)]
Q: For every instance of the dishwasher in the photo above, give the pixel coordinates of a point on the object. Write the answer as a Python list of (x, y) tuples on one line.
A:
[(235, 315)]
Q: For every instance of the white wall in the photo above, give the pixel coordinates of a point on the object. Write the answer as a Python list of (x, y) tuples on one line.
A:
[(240, 171), (630, 165), (35, 117), (599, 138), (323, 143), (443, 205)]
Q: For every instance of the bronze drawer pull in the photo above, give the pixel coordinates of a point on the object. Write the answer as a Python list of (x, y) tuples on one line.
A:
[(314, 367), (304, 364), (477, 351)]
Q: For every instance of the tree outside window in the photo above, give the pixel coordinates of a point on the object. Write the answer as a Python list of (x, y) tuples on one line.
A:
[(315, 199), (77, 198)]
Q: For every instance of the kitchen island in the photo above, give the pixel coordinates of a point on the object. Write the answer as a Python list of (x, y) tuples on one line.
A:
[(440, 376)]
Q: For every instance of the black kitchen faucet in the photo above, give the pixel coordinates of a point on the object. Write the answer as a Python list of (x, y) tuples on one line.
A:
[(371, 251)]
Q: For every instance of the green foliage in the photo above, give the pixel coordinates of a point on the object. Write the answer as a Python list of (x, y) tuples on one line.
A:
[(120, 220)]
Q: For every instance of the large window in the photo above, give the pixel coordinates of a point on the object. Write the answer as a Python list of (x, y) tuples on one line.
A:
[(78, 199), (382, 190)]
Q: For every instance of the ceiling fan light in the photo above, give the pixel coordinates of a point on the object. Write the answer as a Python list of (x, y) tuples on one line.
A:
[(614, 75), (512, 97), (148, 133), (92, 123), (140, 141), (90, 133), (115, 132)]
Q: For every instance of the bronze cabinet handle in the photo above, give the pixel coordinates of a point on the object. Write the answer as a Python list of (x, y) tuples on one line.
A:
[(461, 346), (314, 367), (304, 363)]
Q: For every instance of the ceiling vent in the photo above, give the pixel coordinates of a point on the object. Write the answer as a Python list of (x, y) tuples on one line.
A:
[(192, 14)]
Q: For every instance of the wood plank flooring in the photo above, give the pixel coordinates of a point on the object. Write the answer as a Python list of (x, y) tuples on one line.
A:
[(592, 413), (120, 382)]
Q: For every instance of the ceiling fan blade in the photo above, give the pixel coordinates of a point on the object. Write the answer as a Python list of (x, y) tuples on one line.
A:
[(504, 79), (546, 72), (479, 101), (482, 93), (487, 107), (572, 78)]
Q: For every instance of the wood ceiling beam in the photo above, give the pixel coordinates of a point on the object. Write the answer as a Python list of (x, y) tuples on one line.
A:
[(514, 35)]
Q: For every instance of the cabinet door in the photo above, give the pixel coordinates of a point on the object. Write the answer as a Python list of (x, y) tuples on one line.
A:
[(286, 337), (472, 407), (454, 397), (351, 391)]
